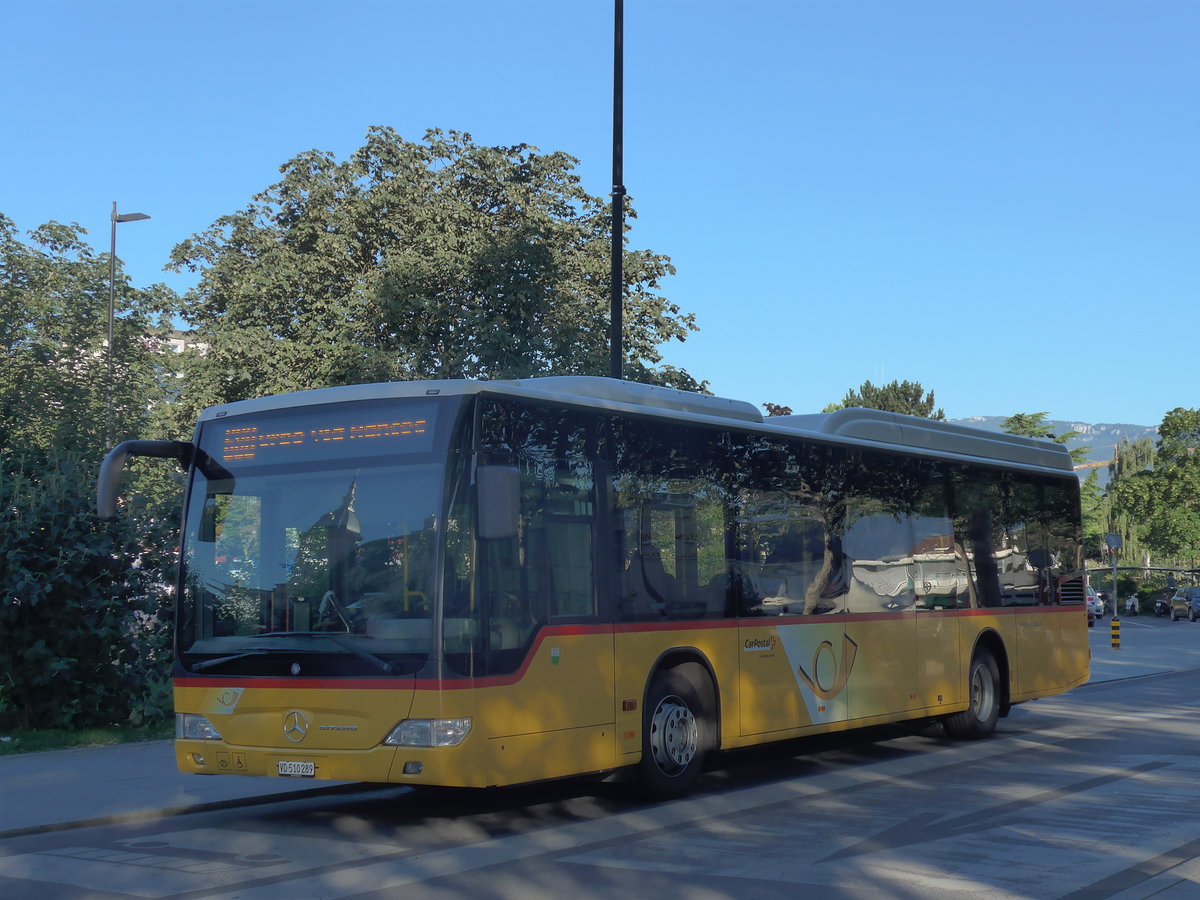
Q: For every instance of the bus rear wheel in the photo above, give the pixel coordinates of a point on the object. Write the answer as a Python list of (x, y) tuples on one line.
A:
[(675, 733), (978, 720)]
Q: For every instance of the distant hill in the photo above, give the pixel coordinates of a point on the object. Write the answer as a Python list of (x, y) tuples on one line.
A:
[(1100, 440)]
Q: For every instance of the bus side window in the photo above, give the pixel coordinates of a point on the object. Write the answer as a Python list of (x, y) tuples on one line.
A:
[(1063, 541), (877, 545), (545, 568), (939, 576), (975, 513), (673, 517), (789, 523), (649, 591)]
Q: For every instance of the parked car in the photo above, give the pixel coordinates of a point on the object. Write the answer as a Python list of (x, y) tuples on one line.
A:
[(1186, 602), (1095, 606)]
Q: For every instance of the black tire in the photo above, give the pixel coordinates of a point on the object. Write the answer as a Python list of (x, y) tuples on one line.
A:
[(978, 720), (934, 729), (676, 733), (1191, 615)]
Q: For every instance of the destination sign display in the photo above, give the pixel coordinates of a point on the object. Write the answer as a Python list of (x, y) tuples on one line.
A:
[(303, 435)]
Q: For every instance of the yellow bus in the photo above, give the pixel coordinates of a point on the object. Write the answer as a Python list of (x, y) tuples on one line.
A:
[(474, 584)]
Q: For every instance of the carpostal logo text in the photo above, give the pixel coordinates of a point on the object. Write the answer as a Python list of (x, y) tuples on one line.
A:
[(753, 645)]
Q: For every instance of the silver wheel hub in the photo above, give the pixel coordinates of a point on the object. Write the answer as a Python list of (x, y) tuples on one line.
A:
[(982, 693), (674, 735)]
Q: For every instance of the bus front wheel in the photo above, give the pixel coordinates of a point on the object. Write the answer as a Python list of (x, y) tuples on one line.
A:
[(978, 720), (674, 733)]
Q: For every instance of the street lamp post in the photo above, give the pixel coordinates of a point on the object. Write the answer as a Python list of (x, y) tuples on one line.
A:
[(112, 292), (617, 277)]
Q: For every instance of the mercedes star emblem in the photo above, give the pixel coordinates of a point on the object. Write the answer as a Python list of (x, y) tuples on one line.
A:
[(295, 726)]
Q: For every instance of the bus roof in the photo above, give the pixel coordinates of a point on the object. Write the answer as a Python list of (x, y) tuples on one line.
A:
[(864, 427)]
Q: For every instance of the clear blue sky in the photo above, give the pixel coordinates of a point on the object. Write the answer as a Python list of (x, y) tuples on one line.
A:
[(995, 198)]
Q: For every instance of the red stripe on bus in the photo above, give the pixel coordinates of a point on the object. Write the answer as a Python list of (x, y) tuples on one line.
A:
[(466, 682)]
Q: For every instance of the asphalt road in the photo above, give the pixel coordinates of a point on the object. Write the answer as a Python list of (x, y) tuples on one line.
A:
[(1091, 795)]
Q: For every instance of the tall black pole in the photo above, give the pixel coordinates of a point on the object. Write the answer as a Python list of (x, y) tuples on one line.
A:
[(112, 288), (618, 196)]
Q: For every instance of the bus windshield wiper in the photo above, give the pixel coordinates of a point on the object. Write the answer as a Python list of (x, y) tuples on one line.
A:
[(340, 640), (221, 660), (382, 665)]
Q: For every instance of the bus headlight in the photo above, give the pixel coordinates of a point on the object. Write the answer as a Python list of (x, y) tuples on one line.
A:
[(429, 733), (189, 726)]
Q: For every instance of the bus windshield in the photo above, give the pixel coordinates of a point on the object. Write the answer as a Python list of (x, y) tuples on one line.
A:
[(310, 540)]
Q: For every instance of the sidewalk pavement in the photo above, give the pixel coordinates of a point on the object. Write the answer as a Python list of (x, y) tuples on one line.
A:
[(59, 789), (62, 788)]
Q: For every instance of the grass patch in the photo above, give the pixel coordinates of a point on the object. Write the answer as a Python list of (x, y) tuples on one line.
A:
[(57, 739)]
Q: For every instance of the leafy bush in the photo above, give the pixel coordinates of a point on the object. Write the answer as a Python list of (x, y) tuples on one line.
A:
[(85, 624)]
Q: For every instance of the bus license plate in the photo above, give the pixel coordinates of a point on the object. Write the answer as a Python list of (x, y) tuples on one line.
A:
[(297, 769)]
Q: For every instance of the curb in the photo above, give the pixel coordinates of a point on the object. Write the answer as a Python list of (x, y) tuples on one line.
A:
[(152, 815)]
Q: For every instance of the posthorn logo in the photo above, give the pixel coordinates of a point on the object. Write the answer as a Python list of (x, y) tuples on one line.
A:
[(842, 669)]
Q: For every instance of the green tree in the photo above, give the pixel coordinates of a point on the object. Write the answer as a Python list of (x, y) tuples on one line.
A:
[(1179, 436), (1034, 425), (907, 397), (54, 339), (440, 259), (1162, 504), (1131, 458), (85, 634), (1028, 424), (1112, 512), (1094, 522)]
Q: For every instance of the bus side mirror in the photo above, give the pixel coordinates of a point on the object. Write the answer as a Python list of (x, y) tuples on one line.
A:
[(108, 485), (499, 501)]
